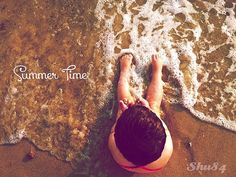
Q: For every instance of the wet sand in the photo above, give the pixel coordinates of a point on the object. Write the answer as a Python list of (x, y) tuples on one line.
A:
[(47, 36), (193, 139), (209, 144), (15, 163)]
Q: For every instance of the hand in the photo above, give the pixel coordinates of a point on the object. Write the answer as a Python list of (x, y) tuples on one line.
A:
[(125, 104), (143, 102)]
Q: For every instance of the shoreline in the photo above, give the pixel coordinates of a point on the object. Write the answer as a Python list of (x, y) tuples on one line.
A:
[(194, 141)]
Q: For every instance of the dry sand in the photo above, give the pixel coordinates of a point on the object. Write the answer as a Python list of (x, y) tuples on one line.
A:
[(209, 144)]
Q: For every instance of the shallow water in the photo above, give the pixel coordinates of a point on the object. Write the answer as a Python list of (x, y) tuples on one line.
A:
[(195, 39)]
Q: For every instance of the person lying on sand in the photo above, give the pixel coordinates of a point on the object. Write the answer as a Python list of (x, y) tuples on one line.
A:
[(139, 140)]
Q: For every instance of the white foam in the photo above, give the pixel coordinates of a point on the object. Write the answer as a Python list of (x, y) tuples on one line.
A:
[(15, 138), (221, 120), (159, 41)]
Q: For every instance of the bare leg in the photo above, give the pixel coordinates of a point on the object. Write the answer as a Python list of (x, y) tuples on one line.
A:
[(123, 90), (155, 89)]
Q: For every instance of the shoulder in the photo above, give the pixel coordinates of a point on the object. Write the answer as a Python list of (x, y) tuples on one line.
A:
[(157, 111)]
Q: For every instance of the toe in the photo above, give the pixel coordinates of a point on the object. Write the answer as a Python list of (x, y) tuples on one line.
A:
[(130, 56), (154, 58)]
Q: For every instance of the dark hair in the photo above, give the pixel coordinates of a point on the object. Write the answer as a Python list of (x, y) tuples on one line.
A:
[(140, 135)]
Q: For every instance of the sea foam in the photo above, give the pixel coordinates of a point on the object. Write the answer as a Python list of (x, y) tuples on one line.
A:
[(146, 30)]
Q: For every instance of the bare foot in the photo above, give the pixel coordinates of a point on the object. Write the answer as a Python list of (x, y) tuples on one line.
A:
[(156, 64), (125, 62)]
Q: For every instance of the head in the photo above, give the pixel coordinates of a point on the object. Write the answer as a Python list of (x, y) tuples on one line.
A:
[(140, 135)]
